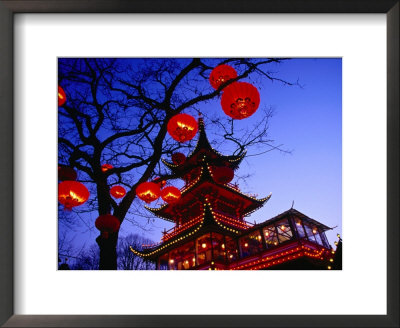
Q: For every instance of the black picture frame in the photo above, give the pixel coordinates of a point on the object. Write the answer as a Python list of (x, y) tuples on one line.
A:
[(10, 7)]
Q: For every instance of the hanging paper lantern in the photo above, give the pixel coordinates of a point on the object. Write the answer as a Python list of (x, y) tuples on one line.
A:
[(107, 224), (240, 100), (182, 127), (72, 193), (106, 167), (62, 98), (178, 158), (170, 194), (221, 74), (148, 191), (117, 191), (66, 173), (222, 174)]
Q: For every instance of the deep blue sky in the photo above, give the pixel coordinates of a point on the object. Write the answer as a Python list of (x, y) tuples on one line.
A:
[(307, 121)]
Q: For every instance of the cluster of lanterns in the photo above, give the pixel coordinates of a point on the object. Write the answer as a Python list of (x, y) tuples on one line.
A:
[(239, 99), (150, 191), (72, 193), (115, 191)]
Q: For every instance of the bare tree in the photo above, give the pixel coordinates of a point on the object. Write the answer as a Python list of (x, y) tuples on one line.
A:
[(117, 112), (87, 259), (129, 261)]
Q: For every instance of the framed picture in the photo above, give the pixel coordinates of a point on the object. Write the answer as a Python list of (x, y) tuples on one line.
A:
[(42, 47)]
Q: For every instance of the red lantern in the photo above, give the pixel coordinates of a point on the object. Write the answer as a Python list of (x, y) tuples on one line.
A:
[(182, 127), (66, 173), (223, 174), (117, 191), (170, 194), (148, 191), (72, 193), (240, 100), (107, 224), (106, 167), (221, 74), (62, 98), (178, 158)]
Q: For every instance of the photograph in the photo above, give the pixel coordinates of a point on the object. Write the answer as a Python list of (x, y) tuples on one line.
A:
[(194, 143), (199, 163)]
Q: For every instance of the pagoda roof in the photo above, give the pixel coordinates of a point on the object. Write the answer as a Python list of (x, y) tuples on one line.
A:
[(204, 148), (296, 213), (209, 221), (166, 211)]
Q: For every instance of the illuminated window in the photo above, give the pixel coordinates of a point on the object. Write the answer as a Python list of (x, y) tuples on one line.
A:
[(309, 231), (284, 231), (271, 238), (232, 252), (325, 240), (299, 228), (203, 246), (219, 247), (251, 244), (182, 257), (317, 236)]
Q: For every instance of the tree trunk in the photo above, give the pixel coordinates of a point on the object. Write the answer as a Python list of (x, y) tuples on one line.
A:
[(108, 251)]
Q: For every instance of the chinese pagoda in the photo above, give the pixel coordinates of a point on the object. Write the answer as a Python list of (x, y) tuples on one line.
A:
[(211, 233)]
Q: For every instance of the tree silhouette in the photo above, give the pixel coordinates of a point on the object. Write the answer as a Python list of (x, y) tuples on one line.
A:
[(117, 112), (129, 261)]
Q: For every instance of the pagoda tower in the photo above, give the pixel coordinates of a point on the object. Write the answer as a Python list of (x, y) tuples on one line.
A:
[(210, 231)]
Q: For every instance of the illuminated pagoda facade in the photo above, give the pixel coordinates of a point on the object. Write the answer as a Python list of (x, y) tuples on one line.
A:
[(211, 233)]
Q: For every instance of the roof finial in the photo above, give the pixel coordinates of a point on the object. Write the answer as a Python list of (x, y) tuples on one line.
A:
[(292, 205), (201, 122)]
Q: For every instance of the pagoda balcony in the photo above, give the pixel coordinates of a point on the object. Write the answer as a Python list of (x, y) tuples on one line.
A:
[(232, 221), (179, 229)]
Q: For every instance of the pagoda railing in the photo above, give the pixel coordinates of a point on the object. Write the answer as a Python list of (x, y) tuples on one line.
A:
[(177, 230), (229, 219)]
